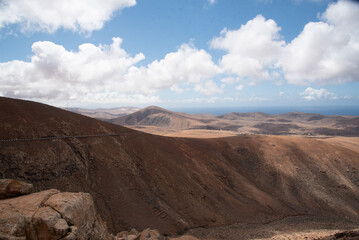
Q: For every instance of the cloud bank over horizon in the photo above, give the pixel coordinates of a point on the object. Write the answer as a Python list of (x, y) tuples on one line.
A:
[(325, 52)]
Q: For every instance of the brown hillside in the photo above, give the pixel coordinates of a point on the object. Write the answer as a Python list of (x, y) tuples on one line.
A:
[(156, 116), (141, 180)]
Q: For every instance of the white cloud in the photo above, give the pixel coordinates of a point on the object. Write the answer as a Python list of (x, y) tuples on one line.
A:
[(176, 89), (186, 65), (239, 87), (211, 2), (208, 88), (251, 50), (311, 94), (327, 51), (230, 80), (44, 15), (55, 74), (104, 73)]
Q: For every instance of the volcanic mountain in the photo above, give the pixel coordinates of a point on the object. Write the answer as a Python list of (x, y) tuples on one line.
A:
[(172, 184), (159, 117)]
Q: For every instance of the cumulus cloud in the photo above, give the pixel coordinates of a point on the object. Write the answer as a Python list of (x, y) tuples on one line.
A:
[(326, 51), (251, 50), (186, 65), (57, 74), (208, 88), (48, 16), (104, 73), (311, 94)]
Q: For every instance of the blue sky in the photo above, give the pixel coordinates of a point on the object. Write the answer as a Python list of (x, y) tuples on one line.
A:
[(180, 53)]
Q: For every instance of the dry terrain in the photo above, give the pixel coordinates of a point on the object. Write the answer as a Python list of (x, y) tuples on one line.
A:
[(160, 121), (179, 184)]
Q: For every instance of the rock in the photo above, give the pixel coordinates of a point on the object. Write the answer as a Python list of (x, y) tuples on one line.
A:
[(134, 232), (48, 224), (185, 237), (347, 235), (72, 235), (122, 234), (51, 215), (149, 234), (13, 188), (78, 209), (131, 237)]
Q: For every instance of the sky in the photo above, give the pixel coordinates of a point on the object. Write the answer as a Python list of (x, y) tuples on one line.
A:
[(180, 53)]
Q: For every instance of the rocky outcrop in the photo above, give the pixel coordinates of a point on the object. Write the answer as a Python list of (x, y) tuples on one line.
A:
[(148, 234), (12, 188), (51, 214)]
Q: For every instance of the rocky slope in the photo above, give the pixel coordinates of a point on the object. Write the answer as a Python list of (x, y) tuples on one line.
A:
[(173, 184)]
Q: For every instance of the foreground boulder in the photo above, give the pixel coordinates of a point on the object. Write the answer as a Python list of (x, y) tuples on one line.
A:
[(13, 188), (51, 214)]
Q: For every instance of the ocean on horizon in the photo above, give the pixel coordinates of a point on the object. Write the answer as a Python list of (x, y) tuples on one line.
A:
[(325, 110)]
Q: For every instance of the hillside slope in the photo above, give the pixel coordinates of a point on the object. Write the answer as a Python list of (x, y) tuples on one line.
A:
[(141, 180)]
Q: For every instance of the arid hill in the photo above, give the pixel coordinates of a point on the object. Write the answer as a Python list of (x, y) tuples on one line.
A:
[(173, 184), (163, 122), (156, 116)]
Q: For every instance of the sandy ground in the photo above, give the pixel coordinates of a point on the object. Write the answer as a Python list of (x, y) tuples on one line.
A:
[(188, 133), (290, 228)]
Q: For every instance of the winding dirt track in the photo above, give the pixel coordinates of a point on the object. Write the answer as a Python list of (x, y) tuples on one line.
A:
[(62, 137)]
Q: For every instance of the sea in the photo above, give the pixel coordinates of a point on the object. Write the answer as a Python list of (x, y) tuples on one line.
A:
[(325, 110)]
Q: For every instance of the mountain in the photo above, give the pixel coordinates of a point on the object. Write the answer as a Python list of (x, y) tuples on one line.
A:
[(160, 121), (173, 184), (104, 113), (156, 116)]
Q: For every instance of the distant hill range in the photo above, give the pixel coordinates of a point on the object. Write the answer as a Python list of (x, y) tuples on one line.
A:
[(294, 123), (104, 113)]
